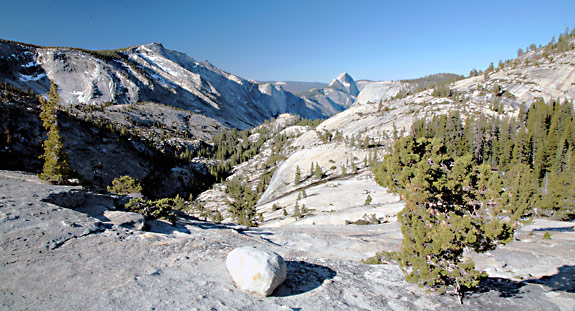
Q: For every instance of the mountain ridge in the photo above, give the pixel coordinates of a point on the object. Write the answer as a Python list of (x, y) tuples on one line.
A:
[(146, 73)]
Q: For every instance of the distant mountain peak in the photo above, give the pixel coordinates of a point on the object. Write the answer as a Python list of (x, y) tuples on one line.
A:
[(344, 76), (154, 46), (345, 83)]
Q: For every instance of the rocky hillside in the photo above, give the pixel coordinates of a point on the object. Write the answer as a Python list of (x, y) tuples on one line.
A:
[(345, 145), (147, 73), (99, 151)]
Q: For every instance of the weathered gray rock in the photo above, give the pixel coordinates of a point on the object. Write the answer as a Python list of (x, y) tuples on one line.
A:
[(127, 220), (256, 271), (69, 198)]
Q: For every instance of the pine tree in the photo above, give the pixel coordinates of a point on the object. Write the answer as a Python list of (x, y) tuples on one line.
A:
[(318, 172), (124, 185), (296, 210), (242, 201), (368, 200), (297, 177), (520, 52), (449, 207), (55, 168), (373, 161), (311, 169)]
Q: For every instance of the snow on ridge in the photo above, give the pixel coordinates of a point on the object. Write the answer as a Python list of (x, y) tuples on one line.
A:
[(26, 78), (28, 65)]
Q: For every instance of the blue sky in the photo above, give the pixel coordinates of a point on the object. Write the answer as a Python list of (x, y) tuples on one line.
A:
[(301, 40)]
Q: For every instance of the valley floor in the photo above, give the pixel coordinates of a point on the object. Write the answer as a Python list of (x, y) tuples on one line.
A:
[(55, 258)]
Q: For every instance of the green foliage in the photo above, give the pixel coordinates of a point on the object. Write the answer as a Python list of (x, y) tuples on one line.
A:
[(547, 235), (233, 147), (365, 220), (368, 200), (318, 173), (297, 177), (534, 53), (125, 185), (381, 258), (55, 168), (242, 202), (311, 169), (304, 210), (297, 211), (559, 200), (449, 206), (533, 152), (157, 209), (431, 80), (441, 90), (309, 122), (216, 217)]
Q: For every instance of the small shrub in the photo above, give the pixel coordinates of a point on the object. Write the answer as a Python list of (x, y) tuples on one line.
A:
[(381, 258), (547, 236), (366, 220), (368, 200), (158, 209), (217, 216), (125, 185)]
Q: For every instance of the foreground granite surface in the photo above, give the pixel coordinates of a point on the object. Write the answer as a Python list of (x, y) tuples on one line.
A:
[(55, 258)]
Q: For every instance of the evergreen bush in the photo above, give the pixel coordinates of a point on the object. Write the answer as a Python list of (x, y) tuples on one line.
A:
[(124, 185)]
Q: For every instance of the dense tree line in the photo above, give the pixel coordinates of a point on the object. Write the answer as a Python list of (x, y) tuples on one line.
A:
[(538, 143)]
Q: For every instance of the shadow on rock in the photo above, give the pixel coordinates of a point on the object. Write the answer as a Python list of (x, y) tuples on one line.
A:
[(564, 280), (556, 229), (164, 227), (303, 277), (501, 287), (70, 198)]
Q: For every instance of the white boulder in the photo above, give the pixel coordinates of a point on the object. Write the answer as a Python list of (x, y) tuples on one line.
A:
[(256, 271)]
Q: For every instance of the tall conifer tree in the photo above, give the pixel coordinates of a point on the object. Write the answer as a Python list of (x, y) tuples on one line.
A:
[(55, 169)]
